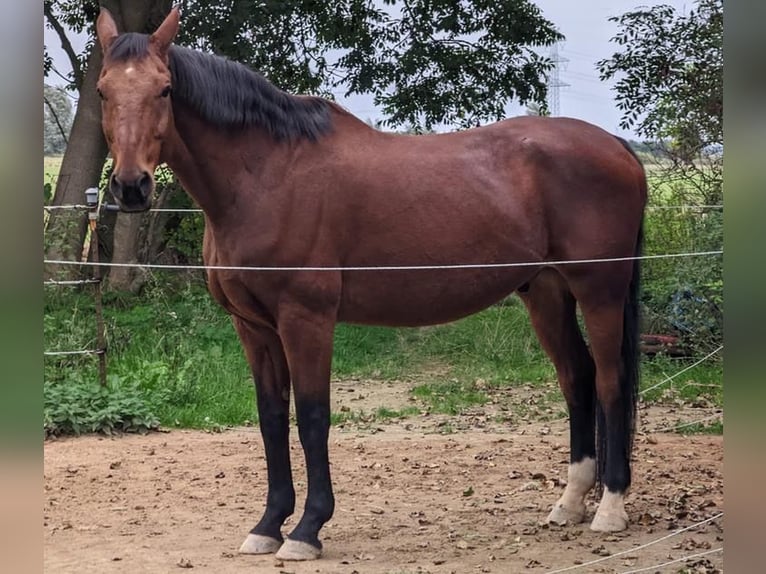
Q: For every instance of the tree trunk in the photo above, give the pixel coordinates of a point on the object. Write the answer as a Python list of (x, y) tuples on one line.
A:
[(80, 169)]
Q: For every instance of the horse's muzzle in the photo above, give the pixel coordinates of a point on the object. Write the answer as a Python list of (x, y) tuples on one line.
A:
[(132, 194)]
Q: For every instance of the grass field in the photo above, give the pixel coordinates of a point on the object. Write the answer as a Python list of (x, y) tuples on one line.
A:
[(51, 166)]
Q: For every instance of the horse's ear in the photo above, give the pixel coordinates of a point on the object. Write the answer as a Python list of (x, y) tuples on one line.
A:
[(163, 36), (106, 29)]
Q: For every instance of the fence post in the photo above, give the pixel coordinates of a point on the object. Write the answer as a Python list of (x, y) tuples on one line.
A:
[(91, 198)]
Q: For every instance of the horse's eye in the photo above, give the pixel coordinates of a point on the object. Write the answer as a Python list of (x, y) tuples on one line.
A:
[(166, 92)]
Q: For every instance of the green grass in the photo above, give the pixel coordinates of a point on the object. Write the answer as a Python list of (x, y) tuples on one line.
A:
[(711, 428), (700, 383), (51, 167), (180, 351), (380, 414), (450, 398)]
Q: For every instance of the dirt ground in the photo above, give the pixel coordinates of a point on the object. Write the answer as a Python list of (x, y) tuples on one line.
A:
[(426, 494)]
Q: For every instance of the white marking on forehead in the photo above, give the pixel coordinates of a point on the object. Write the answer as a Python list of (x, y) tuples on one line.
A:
[(130, 70)]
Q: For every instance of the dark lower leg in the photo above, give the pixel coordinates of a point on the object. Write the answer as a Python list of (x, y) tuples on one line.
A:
[(313, 428), (280, 502), (616, 474), (272, 387), (580, 395), (552, 310)]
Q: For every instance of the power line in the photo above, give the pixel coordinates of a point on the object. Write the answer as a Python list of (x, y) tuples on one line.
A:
[(385, 267)]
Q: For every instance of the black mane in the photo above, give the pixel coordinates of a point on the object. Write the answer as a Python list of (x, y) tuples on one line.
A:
[(230, 95)]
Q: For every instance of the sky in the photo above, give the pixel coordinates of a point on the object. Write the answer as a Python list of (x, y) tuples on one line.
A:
[(587, 29)]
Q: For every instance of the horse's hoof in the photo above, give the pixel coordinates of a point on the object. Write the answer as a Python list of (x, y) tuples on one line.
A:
[(259, 544), (562, 515), (611, 515), (297, 550), (609, 521)]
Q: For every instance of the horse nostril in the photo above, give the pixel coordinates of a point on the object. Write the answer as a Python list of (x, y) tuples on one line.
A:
[(115, 186), (145, 184)]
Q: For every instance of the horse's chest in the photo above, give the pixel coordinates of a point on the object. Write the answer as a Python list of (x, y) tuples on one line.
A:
[(240, 296)]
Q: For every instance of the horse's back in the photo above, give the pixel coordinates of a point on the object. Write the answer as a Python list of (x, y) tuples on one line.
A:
[(519, 179)]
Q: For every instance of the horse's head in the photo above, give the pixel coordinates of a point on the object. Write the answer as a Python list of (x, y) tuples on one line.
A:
[(135, 86)]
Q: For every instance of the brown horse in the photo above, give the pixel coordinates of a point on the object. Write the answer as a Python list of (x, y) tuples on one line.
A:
[(297, 182)]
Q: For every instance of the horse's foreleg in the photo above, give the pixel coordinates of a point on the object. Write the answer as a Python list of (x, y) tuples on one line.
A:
[(308, 345), (272, 384), (552, 311)]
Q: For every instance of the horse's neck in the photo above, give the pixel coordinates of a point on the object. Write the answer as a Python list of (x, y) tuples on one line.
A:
[(180, 159), (208, 162)]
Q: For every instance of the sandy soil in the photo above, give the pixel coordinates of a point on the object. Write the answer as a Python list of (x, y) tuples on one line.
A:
[(427, 494)]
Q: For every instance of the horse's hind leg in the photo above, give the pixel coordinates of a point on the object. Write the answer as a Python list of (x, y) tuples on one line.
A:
[(551, 309), (608, 300), (272, 384)]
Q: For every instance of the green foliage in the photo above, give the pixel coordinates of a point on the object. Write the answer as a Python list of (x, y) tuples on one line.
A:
[(713, 428), (179, 349), (182, 232), (425, 62), (670, 71), (685, 296), (497, 344), (78, 406), (69, 17), (371, 351)]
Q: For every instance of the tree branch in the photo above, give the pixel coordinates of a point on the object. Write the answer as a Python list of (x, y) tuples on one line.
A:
[(60, 75), (65, 44), (56, 119)]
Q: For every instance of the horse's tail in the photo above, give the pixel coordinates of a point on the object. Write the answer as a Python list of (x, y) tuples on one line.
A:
[(629, 355)]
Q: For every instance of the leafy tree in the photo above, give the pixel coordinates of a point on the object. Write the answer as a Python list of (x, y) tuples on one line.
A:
[(669, 72), (426, 62), (57, 120)]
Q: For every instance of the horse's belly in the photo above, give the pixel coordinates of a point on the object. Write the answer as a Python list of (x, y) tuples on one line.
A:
[(426, 297)]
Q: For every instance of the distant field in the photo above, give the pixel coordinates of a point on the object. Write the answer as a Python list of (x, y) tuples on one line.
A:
[(51, 166)]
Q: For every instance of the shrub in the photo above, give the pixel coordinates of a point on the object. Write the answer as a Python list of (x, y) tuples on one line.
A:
[(75, 406), (683, 296)]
